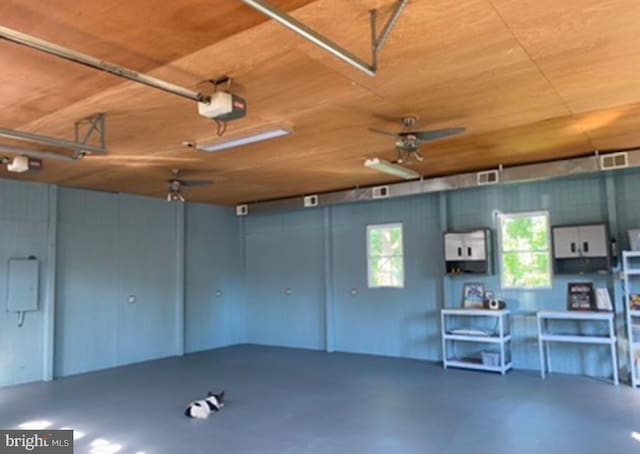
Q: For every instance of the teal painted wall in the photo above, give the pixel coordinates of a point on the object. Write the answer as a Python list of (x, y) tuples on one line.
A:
[(286, 250), (294, 279), (110, 246), (214, 294), (24, 211)]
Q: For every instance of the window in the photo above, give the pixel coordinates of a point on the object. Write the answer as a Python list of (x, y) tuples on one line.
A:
[(385, 258), (524, 250)]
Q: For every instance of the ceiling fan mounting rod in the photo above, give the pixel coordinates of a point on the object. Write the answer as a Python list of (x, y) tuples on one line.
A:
[(32, 42), (298, 27)]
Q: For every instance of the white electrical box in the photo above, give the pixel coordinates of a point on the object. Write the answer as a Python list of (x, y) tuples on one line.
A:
[(23, 285), (311, 201), (242, 210)]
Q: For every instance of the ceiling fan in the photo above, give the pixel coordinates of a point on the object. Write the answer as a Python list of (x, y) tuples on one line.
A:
[(176, 186), (408, 142)]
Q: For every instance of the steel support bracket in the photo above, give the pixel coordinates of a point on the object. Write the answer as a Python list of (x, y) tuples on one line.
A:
[(90, 129), (377, 41)]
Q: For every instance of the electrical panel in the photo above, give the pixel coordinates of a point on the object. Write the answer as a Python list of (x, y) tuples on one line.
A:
[(23, 285)]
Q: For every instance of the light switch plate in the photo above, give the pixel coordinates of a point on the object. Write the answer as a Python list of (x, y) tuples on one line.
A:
[(131, 299)]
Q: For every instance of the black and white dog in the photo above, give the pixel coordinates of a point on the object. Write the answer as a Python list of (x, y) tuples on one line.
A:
[(201, 409)]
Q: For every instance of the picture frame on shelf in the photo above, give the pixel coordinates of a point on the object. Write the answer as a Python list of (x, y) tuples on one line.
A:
[(634, 301), (581, 296), (473, 295)]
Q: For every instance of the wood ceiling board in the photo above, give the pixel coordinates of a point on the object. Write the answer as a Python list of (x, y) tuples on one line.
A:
[(543, 141), (613, 129), (111, 30), (579, 44), (452, 63)]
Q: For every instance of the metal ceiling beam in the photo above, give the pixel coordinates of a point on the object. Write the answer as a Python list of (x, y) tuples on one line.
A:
[(336, 50), (49, 141), (36, 153), (77, 57)]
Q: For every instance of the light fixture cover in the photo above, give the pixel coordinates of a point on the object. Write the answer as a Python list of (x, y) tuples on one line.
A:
[(392, 169), (260, 137)]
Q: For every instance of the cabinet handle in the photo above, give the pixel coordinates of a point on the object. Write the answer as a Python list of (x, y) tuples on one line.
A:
[(573, 247), (585, 247), (469, 252), (459, 252)]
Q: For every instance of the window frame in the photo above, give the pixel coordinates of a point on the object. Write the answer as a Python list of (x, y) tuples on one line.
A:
[(387, 225), (516, 215)]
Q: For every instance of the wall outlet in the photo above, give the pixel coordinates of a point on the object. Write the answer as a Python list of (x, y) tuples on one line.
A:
[(131, 299)]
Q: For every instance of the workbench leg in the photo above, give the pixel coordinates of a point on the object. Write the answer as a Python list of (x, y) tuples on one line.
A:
[(614, 356), (541, 350)]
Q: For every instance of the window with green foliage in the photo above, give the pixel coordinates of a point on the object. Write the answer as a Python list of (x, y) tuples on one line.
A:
[(524, 250), (385, 258)]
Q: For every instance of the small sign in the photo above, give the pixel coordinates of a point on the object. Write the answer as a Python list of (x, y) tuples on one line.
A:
[(580, 296)]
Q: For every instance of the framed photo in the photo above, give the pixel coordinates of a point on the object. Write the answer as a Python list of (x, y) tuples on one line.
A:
[(634, 300), (473, 296), (581, 297)]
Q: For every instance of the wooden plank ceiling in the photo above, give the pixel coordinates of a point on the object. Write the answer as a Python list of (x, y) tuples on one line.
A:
[(531, 80)]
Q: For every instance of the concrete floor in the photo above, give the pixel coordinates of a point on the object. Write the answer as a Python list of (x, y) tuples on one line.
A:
[(292, 401)]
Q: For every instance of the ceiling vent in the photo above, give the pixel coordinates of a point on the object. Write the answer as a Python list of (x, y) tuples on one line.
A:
[(311, 201), (380, 192), (242, 210), (488, 177), (614, 161)]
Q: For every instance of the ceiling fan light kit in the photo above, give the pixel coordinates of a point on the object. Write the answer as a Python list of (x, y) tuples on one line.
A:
[(392, 169), (176, 185), (408, 142)]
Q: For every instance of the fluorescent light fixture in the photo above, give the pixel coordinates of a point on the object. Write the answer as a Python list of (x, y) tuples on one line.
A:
[(390, 168), (260, 137)]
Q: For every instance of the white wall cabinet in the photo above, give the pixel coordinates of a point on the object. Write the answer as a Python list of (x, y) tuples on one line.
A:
[(454, 246), (466, 246), (468, 252), (580, 241), (581, 249)]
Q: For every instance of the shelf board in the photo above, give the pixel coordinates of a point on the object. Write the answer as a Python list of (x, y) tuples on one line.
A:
[(575, 339), (632, 272), (476, 365), (575, 315), (476, 312), (634, 312), (486, 339)]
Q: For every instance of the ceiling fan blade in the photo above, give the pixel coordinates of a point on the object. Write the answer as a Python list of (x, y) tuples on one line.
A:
[(428, 136), (196, 183), (386, 133)]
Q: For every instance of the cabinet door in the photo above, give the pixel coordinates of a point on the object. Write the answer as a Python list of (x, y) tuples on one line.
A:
[(566, 242), (593, 240), (475, 245), (454, 246)]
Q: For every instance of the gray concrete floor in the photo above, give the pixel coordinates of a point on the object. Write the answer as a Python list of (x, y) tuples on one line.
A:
[(293, 401)]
